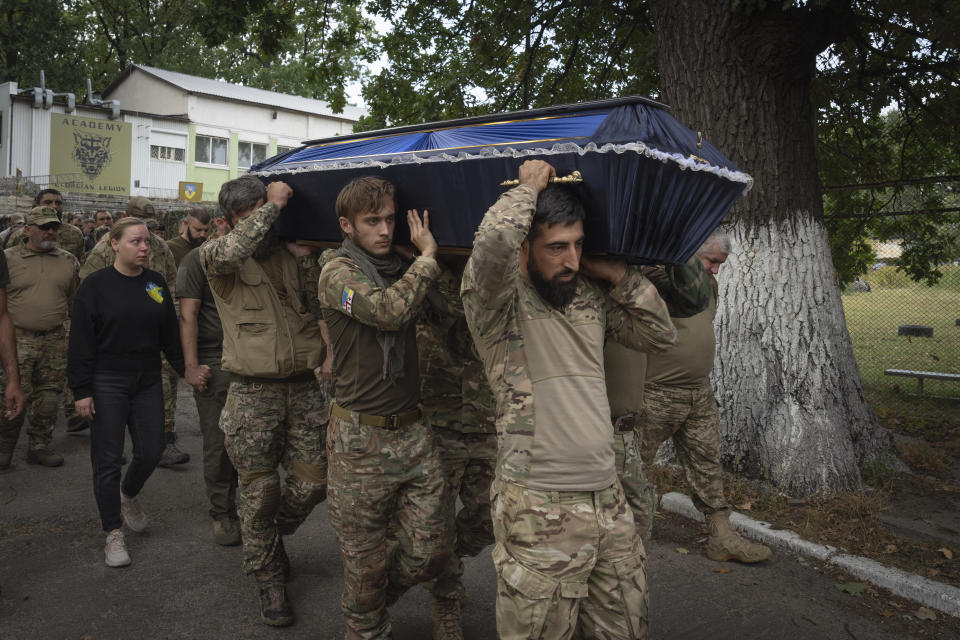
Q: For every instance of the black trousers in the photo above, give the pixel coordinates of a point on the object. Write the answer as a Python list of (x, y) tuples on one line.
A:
[(121, 400)]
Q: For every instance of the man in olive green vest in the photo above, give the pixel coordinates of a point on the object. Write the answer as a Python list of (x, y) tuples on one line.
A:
[(266, 295)]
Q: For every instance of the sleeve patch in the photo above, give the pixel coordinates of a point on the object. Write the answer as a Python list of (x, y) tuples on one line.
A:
[(346, 300)]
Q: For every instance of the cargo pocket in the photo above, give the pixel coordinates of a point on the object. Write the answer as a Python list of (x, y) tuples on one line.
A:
[(632, 574), (525, 599)]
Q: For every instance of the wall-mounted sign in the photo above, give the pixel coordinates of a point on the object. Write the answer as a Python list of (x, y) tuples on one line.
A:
[(90, 155), (191, 191)]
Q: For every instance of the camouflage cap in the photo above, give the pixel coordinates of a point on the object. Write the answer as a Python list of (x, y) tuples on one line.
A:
[(42, 215), (140, 207)]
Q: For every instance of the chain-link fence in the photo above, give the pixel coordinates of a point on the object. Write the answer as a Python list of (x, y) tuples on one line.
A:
[(898, 323), (902, 239)]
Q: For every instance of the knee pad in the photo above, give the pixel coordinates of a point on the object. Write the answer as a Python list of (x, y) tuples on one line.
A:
[(364, 578), (264, 493), (47, 406), (309, 473)]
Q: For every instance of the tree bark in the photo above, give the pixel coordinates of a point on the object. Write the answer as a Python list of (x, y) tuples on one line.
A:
[(791, 402)]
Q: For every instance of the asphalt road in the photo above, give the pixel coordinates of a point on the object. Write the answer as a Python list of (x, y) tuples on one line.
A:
[(54, 584)]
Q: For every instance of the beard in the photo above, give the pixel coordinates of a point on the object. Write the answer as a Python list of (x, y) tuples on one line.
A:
[(193, 240), (46, 245), (268, 246), (556, 292)]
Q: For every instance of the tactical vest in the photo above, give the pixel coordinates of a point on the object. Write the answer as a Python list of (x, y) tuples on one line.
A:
[(262, 336)]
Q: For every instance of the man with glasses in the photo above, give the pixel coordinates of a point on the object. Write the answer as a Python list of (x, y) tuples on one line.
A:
[(43, 281)]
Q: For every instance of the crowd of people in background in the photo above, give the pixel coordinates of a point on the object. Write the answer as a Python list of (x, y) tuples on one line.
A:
[(530, 383)]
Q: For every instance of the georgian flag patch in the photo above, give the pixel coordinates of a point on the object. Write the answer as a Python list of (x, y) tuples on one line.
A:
[(346, 300)]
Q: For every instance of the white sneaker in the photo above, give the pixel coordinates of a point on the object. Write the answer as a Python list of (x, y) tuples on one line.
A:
[(132, 514), (116, 549)]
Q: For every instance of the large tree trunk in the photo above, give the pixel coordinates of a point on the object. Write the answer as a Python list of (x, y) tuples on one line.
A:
[(792, 406)]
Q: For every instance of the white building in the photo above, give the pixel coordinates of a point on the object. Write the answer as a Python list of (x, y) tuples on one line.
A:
[(180, 128)]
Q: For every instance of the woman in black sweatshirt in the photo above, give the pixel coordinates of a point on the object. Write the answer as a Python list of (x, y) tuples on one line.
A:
[(123, 317)]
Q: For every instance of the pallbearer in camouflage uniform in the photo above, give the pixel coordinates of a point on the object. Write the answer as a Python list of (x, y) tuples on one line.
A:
[(386, 484), (567, 554), (686, 291), (459, 406), (274, 414), (161, 261), (678, 403), (43, 281)]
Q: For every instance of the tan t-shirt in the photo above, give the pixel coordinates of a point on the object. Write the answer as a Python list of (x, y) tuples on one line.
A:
[(626, 374), (691, 360), (572, 447), (42, 286)]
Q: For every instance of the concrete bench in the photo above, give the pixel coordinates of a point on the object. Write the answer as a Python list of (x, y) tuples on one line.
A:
[(920, 375)]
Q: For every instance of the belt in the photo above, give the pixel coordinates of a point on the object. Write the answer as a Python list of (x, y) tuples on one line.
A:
[(625, 423), (41, 333), (394, 421), (300, 377)]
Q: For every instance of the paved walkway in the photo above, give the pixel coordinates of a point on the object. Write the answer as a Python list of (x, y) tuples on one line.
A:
[(54, 585)]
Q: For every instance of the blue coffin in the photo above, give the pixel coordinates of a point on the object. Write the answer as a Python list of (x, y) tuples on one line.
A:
[(652, 190)]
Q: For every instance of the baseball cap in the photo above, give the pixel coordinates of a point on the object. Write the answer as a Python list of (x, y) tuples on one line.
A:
[(42, 215), (140, 207)]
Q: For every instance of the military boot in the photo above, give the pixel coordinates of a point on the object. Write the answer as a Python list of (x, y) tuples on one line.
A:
[(6, 457), (44, 457), (725, 543), (172, 454), (275, 609), (76, 424), (446, 619)]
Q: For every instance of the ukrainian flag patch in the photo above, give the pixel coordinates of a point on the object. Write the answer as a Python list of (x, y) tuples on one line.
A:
[(346, 300), (155, 291)]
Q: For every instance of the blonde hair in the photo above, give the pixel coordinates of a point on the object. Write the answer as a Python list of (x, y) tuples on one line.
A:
[(120, 226)]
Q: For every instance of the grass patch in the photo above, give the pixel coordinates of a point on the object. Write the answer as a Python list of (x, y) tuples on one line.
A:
[(923, 457)]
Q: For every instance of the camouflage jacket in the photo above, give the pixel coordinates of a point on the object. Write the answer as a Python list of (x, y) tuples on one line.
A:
[(453, 385), (685, 288), (497, 298), (354, 309), (161, 260), (70, 240)]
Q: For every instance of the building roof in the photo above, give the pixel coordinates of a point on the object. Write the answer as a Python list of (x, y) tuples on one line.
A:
[(238, 93)]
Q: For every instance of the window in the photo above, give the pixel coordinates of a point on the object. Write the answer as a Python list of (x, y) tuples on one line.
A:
[(159, 152), (211, 150), (250, 153)]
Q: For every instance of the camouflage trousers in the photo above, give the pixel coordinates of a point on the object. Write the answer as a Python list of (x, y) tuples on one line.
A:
[(690, 418), (267, 424), (468, 461), (42, 361), (569, 564), (170, 381), (385, 504), (640, 493)]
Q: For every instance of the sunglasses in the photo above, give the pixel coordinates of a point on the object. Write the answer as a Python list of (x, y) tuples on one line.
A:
[(50, 226)]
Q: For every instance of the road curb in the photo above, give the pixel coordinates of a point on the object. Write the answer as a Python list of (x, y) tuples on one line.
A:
[(942, 597)]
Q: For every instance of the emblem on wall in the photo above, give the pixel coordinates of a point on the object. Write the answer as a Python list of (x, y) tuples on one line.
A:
[(91, 152)]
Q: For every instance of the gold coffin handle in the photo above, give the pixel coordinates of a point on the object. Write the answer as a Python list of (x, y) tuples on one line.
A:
[(573, 178)]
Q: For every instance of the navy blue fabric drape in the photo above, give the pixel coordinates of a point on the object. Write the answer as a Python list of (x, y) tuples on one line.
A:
[(651, 193)]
